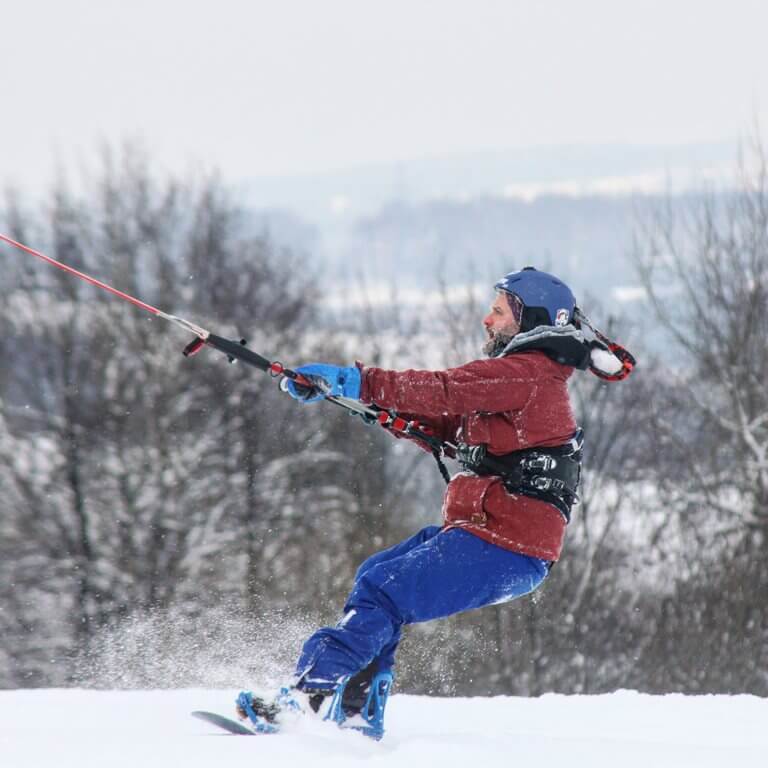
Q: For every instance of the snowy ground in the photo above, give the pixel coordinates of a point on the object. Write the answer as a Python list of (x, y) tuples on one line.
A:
[(81, 728)]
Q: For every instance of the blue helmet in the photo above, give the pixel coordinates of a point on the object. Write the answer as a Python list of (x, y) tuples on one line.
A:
[(546, 299)]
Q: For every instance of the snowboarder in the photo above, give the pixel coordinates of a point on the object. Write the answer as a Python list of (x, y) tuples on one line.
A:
[(510, 426), (501, 531)]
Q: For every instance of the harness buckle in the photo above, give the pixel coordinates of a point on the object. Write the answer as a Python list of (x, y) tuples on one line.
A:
[(540, 463), (541, 483)]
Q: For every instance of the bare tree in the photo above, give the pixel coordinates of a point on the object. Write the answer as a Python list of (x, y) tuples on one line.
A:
[(705, 272), (128, 467)]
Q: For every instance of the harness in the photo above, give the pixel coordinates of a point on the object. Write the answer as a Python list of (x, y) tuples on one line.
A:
[(546, 474)]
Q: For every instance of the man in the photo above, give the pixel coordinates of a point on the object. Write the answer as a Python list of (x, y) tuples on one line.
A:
[(504, 517)]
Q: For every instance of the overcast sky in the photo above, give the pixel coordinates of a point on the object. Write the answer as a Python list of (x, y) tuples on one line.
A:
[(288, 86)]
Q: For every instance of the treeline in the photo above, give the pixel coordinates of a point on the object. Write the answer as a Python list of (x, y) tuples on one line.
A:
[(171, 521)]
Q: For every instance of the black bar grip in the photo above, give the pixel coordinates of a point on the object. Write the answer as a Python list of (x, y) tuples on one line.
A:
[(237, 351), (193, 347)]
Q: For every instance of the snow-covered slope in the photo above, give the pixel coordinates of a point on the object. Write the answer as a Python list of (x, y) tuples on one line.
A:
[(80, 729)]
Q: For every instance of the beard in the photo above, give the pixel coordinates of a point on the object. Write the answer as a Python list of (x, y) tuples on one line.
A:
[(497, 341)]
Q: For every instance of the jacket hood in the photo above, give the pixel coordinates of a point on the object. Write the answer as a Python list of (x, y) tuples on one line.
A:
[(565, 345)]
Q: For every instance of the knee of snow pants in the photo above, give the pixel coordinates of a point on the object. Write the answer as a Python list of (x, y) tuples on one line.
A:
[(398, 549)]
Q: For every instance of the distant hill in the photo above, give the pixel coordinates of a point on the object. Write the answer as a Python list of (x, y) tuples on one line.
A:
[(518, 173), (571, 209)]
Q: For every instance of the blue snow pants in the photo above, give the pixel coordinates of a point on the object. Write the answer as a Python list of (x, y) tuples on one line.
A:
[(433, 574)]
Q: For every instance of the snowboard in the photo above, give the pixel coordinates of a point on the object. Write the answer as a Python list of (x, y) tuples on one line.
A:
[(232, 726)]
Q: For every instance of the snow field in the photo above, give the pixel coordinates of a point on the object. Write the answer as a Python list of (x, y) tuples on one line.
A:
[(131, 729)]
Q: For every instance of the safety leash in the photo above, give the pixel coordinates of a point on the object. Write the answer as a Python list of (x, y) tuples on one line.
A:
[(627, 361)]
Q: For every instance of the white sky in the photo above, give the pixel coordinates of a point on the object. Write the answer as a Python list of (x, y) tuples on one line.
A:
[(288, 86)]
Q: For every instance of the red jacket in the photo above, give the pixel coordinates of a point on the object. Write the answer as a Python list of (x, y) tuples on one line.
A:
[(507, 403)]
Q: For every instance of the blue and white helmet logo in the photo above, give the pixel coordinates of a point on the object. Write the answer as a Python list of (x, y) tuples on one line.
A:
[(561, 318)]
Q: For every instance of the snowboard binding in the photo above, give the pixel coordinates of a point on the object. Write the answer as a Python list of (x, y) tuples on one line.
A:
[(262, 715), (359, 705)]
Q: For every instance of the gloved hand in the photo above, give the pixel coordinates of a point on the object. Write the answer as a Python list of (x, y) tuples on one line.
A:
[(327, 379)]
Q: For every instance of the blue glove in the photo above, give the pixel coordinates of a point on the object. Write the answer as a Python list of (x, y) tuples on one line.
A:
[(329, 380)]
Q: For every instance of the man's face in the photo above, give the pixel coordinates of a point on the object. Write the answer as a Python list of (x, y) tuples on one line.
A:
[(500, 325)]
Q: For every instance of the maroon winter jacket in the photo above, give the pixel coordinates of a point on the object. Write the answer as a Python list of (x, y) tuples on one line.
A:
[(507, 403)]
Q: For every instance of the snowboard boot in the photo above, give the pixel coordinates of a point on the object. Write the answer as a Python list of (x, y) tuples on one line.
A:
[(358, 702), (372, 712), (262, 714)]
